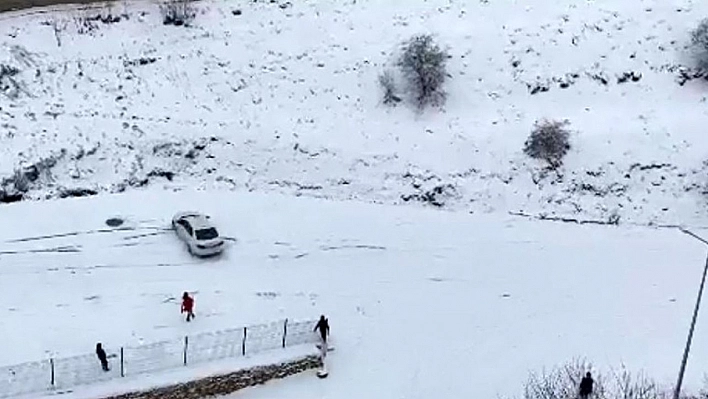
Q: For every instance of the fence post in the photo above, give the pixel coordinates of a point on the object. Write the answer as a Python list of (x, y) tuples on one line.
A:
[(51, 365), (122, 367), (186, 345), (285, 331), (243, 343)]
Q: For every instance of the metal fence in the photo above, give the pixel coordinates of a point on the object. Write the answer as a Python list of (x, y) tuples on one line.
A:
[(61, 374)]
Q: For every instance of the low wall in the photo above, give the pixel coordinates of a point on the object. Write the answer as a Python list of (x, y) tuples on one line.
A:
[(226, 383)]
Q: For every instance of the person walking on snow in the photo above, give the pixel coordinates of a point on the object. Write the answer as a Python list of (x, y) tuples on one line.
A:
[(586, 386), (102, 356), (188, 306), (323, 326)]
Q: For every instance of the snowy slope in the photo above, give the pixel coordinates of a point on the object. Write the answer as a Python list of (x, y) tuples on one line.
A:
[(284, 98), (422, 303)]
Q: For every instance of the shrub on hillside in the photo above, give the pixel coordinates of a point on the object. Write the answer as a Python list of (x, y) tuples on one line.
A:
[(85, 24), (699, 39), (423, 65), (549, 141), (178, 12), (388, 84)]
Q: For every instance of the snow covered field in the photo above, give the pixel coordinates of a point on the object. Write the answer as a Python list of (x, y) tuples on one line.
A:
[(284, 98), (281, 100), (422, 303)]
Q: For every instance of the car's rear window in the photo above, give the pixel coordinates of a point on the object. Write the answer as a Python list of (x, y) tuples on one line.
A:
[(206, 234)]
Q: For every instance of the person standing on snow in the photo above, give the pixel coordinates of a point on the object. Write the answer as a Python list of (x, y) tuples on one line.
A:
[(323, 326), (188, 306), (102, 356), (586, 386)]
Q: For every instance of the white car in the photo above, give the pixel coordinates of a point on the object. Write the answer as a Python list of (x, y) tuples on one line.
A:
[(198, 233)]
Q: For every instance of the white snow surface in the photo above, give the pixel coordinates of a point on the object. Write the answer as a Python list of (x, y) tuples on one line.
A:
[(284, 98), (422, 303), (283, 101)]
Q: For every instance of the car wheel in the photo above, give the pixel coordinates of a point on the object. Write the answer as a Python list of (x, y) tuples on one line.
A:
[(189, 249)]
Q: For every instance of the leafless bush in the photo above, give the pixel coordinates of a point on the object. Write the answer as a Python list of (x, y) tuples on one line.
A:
[(388, 84), (635, 386), (178, 12), (423, 64), (9, 85), (699, 39), (549, 141), (85, 24), (562, 382), (58, 26)]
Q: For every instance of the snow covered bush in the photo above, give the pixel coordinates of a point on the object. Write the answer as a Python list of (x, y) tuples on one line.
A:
[(388, 84), (85, 24), (699, 39), (9, 85), (562, 382), (549, 141), (423, 65), (178, 12)]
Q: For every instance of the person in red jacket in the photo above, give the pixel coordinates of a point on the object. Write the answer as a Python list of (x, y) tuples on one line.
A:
[(188, 306)]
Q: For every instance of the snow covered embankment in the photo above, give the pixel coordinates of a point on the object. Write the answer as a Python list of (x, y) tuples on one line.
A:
[(228, 383), (284, 97)]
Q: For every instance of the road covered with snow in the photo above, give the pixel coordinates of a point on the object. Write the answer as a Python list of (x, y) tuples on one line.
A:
[(421, 302)]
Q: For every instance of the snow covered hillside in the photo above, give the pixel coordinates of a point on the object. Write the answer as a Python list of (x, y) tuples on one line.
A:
[(421, 303), (283, 97)]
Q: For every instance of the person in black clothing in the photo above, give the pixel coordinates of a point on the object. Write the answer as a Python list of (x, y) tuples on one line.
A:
[(586, 386), (323, 326), (102, 356)]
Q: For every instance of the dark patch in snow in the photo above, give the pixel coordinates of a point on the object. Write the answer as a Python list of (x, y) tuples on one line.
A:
[(114, 222), (629, 76), (436, 196), (161, 173), (686, 74), (8, 198), (538, 87), (600, 78), (76, 192), (140, 61), (268, 295), (612, 220)]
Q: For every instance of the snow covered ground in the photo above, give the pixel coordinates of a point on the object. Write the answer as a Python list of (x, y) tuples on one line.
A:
[(422, 303), (284, 98)]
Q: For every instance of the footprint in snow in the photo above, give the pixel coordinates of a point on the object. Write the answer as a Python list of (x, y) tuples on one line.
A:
[(268, 295)]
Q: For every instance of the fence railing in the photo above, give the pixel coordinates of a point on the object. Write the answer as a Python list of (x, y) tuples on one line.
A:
[(63, 373)]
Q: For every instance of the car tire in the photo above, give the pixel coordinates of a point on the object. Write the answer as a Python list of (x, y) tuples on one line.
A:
[(189, 249)]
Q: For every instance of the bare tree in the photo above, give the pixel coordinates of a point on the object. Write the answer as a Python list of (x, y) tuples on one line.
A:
[(58, 26), (699, 39), (178, 12), (423, 64)]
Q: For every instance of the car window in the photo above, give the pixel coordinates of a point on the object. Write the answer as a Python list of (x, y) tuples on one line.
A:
[(186, 226), (207, 234)]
